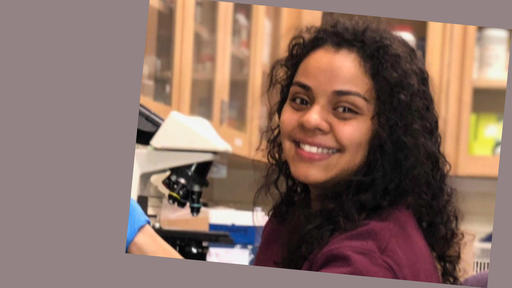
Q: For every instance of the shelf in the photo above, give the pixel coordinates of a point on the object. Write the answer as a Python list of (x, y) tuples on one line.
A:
[(202, 77), (490, 84), (239, 79), (480, 166), (163, 76)]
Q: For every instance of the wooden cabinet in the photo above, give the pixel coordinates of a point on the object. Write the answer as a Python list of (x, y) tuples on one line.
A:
[(212, 59)]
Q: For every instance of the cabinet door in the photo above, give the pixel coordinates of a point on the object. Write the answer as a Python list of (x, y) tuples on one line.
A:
[(200, 59), (160, 83), (482, 104), (240, 66), (237, 74)]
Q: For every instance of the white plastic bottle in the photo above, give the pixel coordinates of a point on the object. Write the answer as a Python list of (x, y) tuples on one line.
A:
[(406, 32), (493, 53)]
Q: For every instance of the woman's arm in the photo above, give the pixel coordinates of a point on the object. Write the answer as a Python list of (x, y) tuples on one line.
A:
[(142, 239), (148, 242)]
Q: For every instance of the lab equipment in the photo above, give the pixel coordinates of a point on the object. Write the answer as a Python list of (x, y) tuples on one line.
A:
[(185, 146)]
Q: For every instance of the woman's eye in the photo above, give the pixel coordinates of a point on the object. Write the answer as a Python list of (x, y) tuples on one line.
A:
[(299, 101), (345, 109)]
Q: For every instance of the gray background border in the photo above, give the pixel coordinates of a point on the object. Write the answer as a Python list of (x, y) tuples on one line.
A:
[(70, 77)]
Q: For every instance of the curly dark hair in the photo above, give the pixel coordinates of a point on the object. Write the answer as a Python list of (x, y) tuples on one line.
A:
[(404, 163)]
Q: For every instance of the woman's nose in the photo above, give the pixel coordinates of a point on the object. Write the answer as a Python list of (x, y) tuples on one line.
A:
[(315, 119)]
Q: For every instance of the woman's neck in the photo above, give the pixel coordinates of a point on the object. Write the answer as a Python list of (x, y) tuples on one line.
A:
[(314, 193)]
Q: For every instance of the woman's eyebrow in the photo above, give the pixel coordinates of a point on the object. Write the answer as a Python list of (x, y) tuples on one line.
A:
[(302, 85), (340, 93)]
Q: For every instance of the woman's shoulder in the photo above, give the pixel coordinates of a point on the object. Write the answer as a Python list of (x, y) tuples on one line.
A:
[(378, 233), (389, 246)]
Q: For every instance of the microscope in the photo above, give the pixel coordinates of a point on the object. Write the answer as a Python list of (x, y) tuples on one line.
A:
[(185, 147)]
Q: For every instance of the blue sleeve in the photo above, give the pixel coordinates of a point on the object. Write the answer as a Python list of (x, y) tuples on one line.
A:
[(136, 220)]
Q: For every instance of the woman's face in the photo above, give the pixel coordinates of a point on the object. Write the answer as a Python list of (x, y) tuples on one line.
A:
[(326, 123)]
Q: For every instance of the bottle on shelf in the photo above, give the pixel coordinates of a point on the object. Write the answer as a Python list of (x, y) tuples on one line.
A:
[(485, 134), (406, 32), (241, 33), (493, 50)]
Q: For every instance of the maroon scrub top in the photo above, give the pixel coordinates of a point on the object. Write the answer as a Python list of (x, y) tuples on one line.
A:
[(391, 246)]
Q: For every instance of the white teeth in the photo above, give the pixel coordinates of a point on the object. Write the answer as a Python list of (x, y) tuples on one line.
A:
[(318, 150)]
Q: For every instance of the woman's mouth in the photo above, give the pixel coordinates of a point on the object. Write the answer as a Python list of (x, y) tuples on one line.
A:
[(314, 152), (316, 149)]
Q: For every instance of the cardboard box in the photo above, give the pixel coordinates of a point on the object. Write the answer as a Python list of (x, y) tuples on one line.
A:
[(176, 218)]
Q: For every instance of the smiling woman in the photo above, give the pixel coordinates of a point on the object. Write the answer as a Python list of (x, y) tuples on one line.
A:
[(326, 123), (354, 158)]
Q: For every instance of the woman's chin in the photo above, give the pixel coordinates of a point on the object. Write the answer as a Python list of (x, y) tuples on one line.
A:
[(311, 179), (318, 181)]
